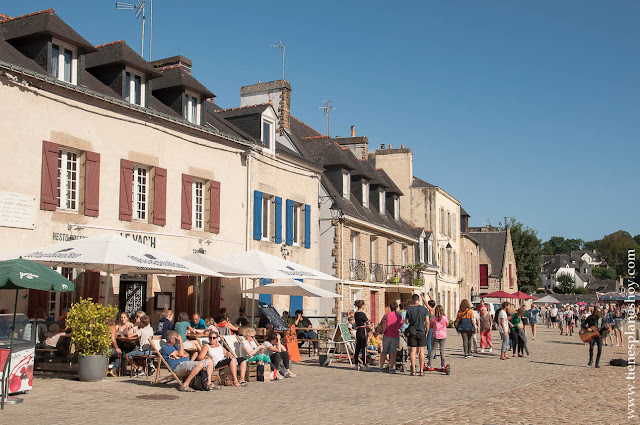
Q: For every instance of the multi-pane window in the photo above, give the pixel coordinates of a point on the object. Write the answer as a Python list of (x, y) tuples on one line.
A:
[(134, 88), (266, 216), (381, 198), (68, 180), (430, 253), (191, 108), (346, 185), (198, 205), (297, 217), (58, 301), (140, 198), (267, 134), (365, 194), (63, 59)]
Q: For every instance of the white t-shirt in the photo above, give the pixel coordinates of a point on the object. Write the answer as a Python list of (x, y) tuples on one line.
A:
[(553, 312), (216, 353), (502, 321), (144, 335), (249, 346), (267, 344)]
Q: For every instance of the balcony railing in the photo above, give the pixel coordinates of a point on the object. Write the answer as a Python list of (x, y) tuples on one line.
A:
[(358, 270), (401, 275), (377, 273)]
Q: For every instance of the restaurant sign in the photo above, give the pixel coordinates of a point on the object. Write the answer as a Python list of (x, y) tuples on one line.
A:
[(17, 210)]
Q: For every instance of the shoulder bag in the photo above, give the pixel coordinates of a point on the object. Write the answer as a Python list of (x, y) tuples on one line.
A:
[(465, 324)]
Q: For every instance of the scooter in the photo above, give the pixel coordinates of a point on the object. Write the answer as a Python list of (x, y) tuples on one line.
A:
[(446, 369)]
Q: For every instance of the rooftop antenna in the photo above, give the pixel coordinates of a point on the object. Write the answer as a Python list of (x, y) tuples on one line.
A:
[(139, 7), (327, 106), (281, 46)]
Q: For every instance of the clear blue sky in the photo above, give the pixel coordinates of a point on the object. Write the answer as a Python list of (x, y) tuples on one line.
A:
[(521, 109)]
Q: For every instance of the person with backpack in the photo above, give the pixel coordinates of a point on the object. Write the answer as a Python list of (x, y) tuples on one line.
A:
[(416, 316), (390, 328), (466, 326)]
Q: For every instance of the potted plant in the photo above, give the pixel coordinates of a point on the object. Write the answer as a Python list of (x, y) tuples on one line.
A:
[(91, 336), (416, 270)]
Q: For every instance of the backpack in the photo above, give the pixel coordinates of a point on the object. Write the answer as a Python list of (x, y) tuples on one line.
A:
[(619, 362), (199, 382), (495, 316)]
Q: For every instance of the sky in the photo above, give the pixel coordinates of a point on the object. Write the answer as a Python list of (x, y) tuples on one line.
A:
[(525, 109)]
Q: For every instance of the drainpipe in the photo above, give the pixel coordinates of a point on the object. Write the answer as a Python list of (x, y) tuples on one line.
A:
[(244, 285)]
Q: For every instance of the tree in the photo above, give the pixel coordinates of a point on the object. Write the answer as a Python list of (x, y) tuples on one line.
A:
[(566, 284), (526, 247), (614, 250), (592, 245), (637, 239), (560, 245), (604, 273)]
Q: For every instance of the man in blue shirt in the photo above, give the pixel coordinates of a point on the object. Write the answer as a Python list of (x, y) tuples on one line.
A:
[(197, 322), (178, 360)]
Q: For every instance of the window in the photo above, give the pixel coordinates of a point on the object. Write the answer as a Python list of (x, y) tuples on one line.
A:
[(198, 204), (58, 301), (381, 199), (404, 257), (365, 194), (346, 185), (268, 134), (68, 180), (191, 108), (396, 208), (453, 226), (297, 215), (134, 88), (430, 252), (373, 250), (63, 62), (140, 196), (389, 253), (266, 217), (354, 246), (441, 221)]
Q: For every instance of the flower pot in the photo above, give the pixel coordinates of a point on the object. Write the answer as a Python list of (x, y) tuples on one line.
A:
[(92, 368), (417, 282), (395, 280)]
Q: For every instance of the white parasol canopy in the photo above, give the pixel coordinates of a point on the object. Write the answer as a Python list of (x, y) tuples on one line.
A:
[(546, 299), (113, 254), (292, 287), (272, 267), (227, 269)]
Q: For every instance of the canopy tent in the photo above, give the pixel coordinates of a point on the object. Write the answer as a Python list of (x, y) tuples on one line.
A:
[(292, 287), (24, 274), (218, 266), (548, 299), (499, 294)]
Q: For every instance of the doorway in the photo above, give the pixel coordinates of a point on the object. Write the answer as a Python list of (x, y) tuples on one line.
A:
[(133, 293)]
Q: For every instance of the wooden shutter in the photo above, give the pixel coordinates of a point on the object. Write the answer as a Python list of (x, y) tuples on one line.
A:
[(182, 294), (160, 197), (277, 238), (216, 292), (257, 215), (49, 185), (289, 218), (92, 184), (307, 226), (484, 275), (92, 286), (37, 299), (214, 207), (187, 187), (126, 190)]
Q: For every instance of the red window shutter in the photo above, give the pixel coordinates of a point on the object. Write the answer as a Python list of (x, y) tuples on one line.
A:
[(37, 299), (484, 275), (49, 186), (160, 197), (126, 189), (182, 294), (187, 183), (92, 286), (214, 207), (92, 184)]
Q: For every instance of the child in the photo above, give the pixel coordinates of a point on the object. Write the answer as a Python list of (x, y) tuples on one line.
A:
[(53, 336), (374, 345), (211, 325), (439, 323), (143, 347), (352, 327)]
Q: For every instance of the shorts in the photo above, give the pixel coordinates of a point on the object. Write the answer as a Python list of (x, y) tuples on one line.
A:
[(389, 345), (189, 345), (227, 361), (188, 365), (417, 340), (553, 319)]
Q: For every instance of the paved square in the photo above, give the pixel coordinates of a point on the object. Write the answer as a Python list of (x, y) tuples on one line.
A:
[(554, 386)]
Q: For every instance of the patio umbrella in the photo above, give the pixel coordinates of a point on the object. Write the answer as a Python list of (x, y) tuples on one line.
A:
[(524, 296), (24, 274), (499, 294), (224, 268), (292, 287), (547, 299)]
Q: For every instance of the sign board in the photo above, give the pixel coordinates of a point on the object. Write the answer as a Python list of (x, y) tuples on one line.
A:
[(276, 320), (344, 332), (17, 210)]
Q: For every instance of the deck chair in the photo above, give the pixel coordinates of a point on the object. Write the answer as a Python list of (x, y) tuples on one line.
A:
[(156, 345)]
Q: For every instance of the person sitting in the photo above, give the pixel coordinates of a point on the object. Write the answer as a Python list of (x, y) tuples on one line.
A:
[(53, 336), (178, 360), (138, 315), (182, 327), (374, 346), (197, 323), (303, 328), (278, 354), (115, 350), (124, 327), (211, 325), (240, 319), (165, 324), (221, 358), (143, 347), (352, 326), (264, 322), (226, 323), (254, 351), (218, 317)]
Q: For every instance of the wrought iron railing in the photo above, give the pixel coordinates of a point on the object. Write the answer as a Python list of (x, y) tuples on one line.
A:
[(358, 270), (377, 273), (402, 275)]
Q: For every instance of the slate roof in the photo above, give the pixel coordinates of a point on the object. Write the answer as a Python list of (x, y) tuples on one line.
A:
[(494, 245), (301, 130), (420, 183), (602, 286), (463, 213), (43, 22), (214, 119), (10, 54), (119, 52), (94, 84), (327, 153), (357, 140), (244, 110), (178, 76)]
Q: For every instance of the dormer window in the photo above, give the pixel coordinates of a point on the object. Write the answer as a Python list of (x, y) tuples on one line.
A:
[(365, 194), (191, 108), (134, 88), (64, 61), (381, 202), (396, 208), (346, 184), (268, 134)]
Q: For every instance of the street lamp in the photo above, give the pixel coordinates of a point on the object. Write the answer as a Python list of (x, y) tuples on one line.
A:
[(335, 210)]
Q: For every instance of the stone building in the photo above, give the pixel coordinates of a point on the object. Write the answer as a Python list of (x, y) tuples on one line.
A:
[(497, 260)]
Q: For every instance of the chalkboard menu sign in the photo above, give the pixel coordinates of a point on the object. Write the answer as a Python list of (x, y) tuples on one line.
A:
[(276, 320), (344, 331)]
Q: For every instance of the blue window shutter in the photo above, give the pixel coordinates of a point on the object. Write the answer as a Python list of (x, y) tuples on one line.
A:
[(278, 227), (295, 302), (307, 226), (289, 240), (257, 215), (265, 298)]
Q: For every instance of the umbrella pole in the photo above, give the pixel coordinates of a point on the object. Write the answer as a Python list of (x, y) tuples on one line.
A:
[(253, 302), (7, 371)]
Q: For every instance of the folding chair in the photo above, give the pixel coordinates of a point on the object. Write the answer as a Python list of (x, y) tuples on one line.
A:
[(156, 345)]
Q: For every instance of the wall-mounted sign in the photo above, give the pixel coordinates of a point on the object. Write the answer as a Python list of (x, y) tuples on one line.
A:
[(65, 237), (17, 210), (143, 239)]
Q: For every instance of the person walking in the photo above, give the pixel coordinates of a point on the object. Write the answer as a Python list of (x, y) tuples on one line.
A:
[(522, 338), (485, 330), (416, 317), (474, 340), (466, 326), (534, 313), (390, 327), (362, 321), (598, 321), (503, 328), (553, 315), (438, 323)]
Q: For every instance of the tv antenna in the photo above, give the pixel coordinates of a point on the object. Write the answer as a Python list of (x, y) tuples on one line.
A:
[(327, 107), (139, 8), (281, 46)]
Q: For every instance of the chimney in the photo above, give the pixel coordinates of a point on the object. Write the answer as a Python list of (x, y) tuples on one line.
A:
[(277, 92), (390, 147), (353, 131), (180, 61), (382, 146), (401, 146)]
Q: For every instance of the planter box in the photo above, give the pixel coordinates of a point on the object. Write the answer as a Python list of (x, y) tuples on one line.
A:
[(395, 280), (418, 282)]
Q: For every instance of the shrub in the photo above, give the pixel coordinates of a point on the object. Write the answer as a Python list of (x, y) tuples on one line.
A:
[(90, 332)]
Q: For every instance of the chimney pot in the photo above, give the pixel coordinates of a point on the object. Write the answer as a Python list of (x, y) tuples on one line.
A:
[(389, 147), (382, 146), (401, 146), (353, 131)]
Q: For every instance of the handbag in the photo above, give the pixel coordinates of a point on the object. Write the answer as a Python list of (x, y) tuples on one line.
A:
[(465, 324), (382, 326)]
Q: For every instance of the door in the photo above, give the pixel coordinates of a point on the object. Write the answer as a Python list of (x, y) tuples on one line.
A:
[(295, 303), (373, 306), (133, 294)]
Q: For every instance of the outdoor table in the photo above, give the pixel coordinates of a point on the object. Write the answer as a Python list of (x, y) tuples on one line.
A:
[(196, 336), (125, 342)]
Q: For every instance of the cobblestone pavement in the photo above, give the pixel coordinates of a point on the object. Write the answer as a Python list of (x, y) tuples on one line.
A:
[(554, 386)]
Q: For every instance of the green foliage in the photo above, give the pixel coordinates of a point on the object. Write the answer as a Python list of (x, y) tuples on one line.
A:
[(566, 284), (637, 239), (592, 245), (90, 332), (604, 273), (541, 291), (526, 247), (581, 290), (560, 245), (614, 249)]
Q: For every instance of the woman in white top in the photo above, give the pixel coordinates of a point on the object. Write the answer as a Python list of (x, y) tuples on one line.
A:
[(255, 352), (221, 358)]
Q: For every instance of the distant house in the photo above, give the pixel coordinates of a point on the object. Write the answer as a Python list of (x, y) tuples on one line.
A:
[(590, 257), (575, 265), (497, 261)]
